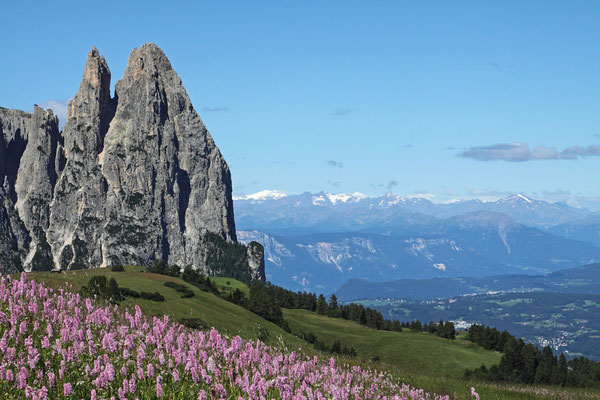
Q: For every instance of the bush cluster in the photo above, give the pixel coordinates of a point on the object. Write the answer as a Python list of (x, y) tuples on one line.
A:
[(195, 323), (335, 348), (202, 282), (108, 289), (184, 290), (152, 296)]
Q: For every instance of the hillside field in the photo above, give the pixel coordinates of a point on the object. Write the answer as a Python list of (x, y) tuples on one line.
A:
[(420, 359)]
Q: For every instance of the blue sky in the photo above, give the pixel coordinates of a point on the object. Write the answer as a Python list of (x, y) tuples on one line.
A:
[(445, 99)]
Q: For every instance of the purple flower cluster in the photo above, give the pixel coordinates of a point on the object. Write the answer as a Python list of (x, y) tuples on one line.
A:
[(57, 344)]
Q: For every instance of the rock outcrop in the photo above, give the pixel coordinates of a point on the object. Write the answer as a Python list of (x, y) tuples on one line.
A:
[(130, 179), (28, 172), (256, 261), (78, 208)]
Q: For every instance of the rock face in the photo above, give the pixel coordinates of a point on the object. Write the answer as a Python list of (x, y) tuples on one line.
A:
[(78, 207), (256, 261), (28, 171), (130, 179)]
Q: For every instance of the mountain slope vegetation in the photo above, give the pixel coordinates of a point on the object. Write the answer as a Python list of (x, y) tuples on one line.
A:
[(419, 358)]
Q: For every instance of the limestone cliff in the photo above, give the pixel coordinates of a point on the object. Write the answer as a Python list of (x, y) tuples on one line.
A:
[(132, 177)]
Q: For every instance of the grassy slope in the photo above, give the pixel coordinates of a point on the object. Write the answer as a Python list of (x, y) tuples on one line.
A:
[(420, 353), (421, 359), (223, 315)]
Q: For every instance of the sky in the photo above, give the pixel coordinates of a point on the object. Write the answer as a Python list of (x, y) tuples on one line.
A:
[(447, 100)]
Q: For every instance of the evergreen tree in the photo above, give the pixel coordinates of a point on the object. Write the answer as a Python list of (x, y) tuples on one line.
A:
[(529, 355), (511, 360), (312, 300), (562, 370), (416, 326), (449, 332), (113, 289), (543, 373), (336, 347), (321, 305), (174, 270), (333, 306), (432, 327)]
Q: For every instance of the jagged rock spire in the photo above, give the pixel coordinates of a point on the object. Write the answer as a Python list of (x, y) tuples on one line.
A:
[(131, 178), (92, 108), (28, 174), (158, 150)]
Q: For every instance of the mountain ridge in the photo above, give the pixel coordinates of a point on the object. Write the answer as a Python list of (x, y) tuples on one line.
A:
[(323, 261), (272, 203), (583, 279)]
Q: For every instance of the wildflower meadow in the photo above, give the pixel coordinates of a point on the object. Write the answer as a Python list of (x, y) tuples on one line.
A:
[(58, 344)]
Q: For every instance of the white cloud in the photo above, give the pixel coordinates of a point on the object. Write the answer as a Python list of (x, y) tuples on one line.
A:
[(519, 152)]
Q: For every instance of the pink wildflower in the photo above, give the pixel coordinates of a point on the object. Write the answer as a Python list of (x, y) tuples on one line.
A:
[(67, 389), (159, 381)]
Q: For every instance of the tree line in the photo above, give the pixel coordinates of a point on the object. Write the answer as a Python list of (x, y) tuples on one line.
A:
[(442, 329), (525, 363), (267, 300)]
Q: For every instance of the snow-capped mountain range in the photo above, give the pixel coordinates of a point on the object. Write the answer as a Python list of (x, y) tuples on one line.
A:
[(274, 205), (318, 241)]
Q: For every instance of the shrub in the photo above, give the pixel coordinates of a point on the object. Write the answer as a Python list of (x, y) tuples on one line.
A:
[(161, 267), (117, 268), (184, 290), (152, 296), (126, 292), (195, 278), (99, 286), (194, 323)]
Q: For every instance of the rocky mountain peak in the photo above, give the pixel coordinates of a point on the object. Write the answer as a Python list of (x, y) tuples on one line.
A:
[(96, 74), (91, 109), (149, 57), (131, 179)]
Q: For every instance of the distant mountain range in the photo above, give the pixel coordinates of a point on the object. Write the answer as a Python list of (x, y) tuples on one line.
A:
[(319, 212), (582, 280), (587, 230), (319, 241)]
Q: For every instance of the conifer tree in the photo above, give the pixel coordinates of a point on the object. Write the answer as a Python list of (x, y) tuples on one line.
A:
[(321, 305), (543, 373)]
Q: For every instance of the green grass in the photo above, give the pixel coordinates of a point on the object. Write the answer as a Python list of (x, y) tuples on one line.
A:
[(422, 359), (419, 359), (511, 303), (421, 353), (226, 317), (227, 285)]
